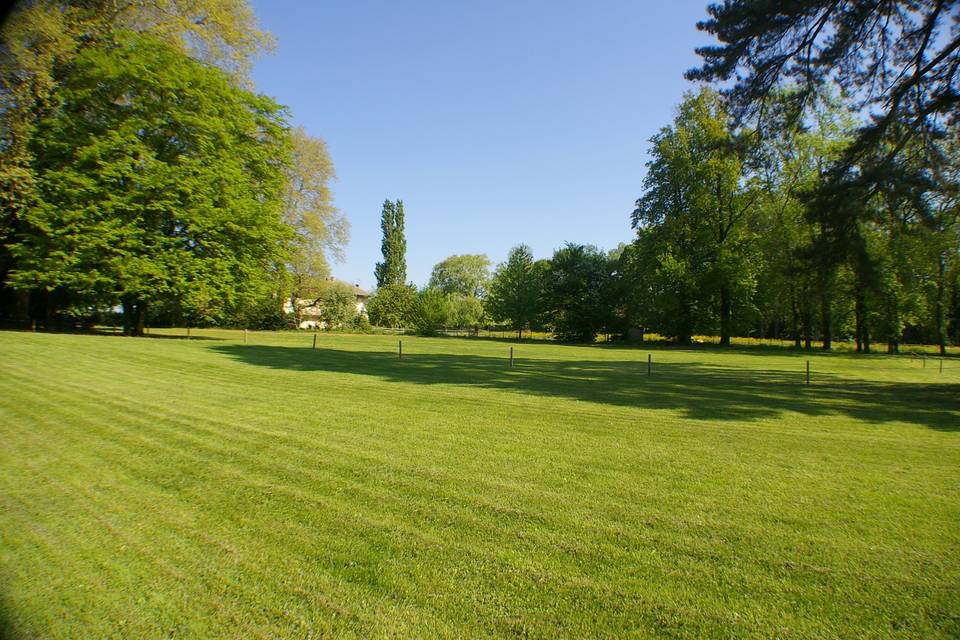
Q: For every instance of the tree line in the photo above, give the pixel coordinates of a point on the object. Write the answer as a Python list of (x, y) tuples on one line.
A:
[(738, 233), (815, 198)]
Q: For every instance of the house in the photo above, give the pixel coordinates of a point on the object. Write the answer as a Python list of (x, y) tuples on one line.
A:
[(311, 311), (362, 297)]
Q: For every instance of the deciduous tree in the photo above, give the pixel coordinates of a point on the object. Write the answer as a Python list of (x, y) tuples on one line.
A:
[(467, 275), (158, 178)]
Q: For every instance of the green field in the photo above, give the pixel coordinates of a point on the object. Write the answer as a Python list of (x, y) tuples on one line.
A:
[(162, 487)]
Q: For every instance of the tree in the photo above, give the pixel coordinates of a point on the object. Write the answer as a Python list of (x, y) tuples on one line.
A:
[(574, 292), (467, 275), (338, 304), (40, 42), (514, 293), (393, 269), (429, 312), (698, 204), (392, 305), (464, 312), (151, 186), (319, 229), (800, 270), (901, 58)]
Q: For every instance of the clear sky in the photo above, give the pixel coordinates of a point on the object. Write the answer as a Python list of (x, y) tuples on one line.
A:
[(497, 122)]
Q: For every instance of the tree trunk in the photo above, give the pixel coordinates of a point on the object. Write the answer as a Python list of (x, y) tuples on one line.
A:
[(724, 316), (866, 338), (127, 315), (685, 324), (940, 316), (134, 316), (21, 307), (858, 320), (826, 321), (795, 317), (141, 318)]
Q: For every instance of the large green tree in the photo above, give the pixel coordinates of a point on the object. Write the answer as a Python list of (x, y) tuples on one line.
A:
[(38, 45), (574, 292), (515, 291), (393, 247), (797, 288), (466, 275), (693, 219), (158, 179), (393, 305)]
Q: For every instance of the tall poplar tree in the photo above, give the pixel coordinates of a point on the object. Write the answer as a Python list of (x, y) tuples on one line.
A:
[(393, 269)]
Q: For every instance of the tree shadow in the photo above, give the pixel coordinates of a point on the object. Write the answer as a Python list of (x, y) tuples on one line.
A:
[(699, 391), (167, 336)]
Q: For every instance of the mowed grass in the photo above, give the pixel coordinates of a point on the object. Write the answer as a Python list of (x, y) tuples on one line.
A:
[(161, 487)]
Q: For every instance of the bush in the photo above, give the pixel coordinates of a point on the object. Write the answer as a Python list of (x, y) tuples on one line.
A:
[(338, 305), (431, 312), (361, 324)]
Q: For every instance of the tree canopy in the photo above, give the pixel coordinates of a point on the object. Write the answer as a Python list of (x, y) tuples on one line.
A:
[(898, 59), (514, 293), (466, 275), (40, 46), (320, 231), (158, 179)]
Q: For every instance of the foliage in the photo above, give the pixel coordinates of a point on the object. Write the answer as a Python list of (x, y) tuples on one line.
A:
[(574, 288), (41, 41), (361, 323), (693, 219), (901, 58), (430, 312), (319, 229), (514, 293), (392, 305), (338, 304), (465, 312), (466, 275), (393, 269), (151, 186)]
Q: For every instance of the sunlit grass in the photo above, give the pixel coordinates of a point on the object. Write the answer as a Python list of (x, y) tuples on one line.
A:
[(164, 487)]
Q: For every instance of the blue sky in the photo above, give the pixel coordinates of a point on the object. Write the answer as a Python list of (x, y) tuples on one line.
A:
[(495, 122)]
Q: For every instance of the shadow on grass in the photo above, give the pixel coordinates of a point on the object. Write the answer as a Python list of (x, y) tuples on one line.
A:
[(167, 336), (698, 390)]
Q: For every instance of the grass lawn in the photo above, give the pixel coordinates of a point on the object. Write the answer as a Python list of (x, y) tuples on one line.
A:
[(163, 487)]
